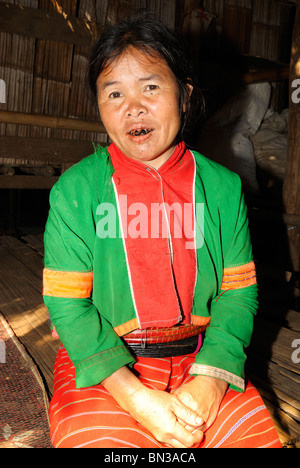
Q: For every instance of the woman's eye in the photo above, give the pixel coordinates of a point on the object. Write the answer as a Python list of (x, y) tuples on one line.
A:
[(151, 87), (115, 95)]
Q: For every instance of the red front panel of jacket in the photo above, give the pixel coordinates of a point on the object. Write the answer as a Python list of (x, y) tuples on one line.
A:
[(157, 213)]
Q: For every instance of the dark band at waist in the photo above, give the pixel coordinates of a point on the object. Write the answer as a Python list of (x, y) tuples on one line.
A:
[(164, 342), (163, 335), (170, 349), (167, 349)]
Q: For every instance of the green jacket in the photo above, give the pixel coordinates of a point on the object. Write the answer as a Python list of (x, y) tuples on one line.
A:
[(87, 286)]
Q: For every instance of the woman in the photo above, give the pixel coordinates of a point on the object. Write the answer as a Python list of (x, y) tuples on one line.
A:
[(146, 247)]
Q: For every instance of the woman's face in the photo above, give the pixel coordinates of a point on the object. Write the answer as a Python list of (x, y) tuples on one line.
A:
[(138, 100)]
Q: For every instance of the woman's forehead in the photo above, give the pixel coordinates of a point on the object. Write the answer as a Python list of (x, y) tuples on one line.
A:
[(136, 59)]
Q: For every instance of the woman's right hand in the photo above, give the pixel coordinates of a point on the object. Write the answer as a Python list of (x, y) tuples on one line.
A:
[(162, 413), (166, 418)]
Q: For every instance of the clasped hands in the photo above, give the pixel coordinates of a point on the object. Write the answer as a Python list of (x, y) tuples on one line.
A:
[(177, 419)]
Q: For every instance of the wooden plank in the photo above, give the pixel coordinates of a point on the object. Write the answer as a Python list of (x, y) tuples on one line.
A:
[(63, 6), (279, 73), (291, 188), (48, 121), (27, 182), (274, 342), (53, 26), (276, 377), (21, 151)]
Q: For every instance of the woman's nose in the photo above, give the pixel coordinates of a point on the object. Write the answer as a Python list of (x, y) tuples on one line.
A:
[(135, 108)]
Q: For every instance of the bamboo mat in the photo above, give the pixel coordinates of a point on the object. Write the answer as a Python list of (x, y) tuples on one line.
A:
[(23, 399), (21, 302)]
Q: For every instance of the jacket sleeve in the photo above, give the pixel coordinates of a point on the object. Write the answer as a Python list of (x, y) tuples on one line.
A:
[(233, 309), (92, 344)]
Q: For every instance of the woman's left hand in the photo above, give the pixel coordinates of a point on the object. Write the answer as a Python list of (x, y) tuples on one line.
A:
[(203, 395)]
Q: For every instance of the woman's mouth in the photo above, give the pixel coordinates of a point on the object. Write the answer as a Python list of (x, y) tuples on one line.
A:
[(140, 132), (140, 135)]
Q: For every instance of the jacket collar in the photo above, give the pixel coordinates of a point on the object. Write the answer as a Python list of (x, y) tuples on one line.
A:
[(120, 160)]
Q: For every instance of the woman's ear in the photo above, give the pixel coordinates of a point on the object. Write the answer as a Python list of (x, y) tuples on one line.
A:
[(189, 88)]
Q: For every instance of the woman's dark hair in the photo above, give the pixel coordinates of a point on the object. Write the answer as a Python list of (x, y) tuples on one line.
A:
[(149, 35)]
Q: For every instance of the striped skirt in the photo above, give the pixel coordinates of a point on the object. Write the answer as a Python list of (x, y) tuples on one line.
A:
[(91, 418)]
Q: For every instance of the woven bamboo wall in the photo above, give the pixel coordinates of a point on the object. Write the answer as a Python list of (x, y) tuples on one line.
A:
[(45, 72), (48, 76), (260, 28), (237, 36)]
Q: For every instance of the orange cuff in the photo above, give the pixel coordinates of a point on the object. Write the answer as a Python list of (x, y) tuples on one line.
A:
[(239, 277), (69, 284)]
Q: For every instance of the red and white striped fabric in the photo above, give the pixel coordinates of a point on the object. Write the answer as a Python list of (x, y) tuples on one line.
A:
[(90, 417)]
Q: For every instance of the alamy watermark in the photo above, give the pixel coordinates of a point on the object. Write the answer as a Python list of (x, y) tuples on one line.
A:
[(2, 92), (2, 352), (296, 353), (296, 94), (155, 221)]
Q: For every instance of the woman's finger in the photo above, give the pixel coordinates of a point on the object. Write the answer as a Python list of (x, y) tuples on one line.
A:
[(191, 428), (187, 416), (184, 438)]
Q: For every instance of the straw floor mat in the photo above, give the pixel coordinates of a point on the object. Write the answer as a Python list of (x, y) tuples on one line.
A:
[(23, 400)]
